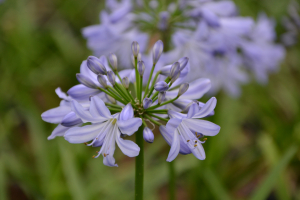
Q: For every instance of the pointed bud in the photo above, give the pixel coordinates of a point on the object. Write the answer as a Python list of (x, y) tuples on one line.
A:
[(113, 60), (112, 100), (183, 88), (95, 65), (141, 68), (111, 77), (102, 80), (86, 81), (135, 47), (157, 51), (147, 103), (139, 57), (161, 97), (148, 135), (125, 82), (183, 62), (71, 119), (161, 86), (174, 70), (174, 78)]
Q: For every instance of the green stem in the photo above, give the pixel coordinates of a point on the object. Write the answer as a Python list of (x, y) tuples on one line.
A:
[(111, 94), (163, 119), (153, 83), (139, 165), (117, 73), (152, 120), (172, 185), (158, 111), (141, 88), (113, 105), (164, 103), (150, 77)]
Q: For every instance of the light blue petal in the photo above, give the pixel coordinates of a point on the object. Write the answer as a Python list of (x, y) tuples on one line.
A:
[(71, 119), (98, 108), (58, 131), (128, 147), (83, 134), (83, 114), (199, 152), (82, 93), (126, 113), (175, 147), (130, 126), (55, 115), (202, 126), (207, 109), (173, 124), (196, 90), (174, 114), (194, 108)]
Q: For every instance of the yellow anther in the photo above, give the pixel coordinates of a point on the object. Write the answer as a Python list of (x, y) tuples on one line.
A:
[(196, 141), (195, 145), (204, 139), (113, 121), (104, 155), (86, 143), (188, 140), (93, 156)]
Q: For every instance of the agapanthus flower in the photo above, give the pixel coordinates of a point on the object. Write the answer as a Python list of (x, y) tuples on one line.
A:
[(291, 24), (196, 29), (103, 108)]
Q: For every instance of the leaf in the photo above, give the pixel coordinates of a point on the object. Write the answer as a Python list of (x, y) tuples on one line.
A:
[(264, 189)]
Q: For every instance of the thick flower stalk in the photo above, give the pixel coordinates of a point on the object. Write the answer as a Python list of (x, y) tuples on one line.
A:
[(109, 104), (221, 45)]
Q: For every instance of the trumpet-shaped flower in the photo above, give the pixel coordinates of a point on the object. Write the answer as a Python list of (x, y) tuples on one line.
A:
[(105, 130), (183, 132)]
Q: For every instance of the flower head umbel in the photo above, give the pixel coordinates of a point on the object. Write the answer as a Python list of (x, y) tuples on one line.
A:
[(203, 30), (102, 109)]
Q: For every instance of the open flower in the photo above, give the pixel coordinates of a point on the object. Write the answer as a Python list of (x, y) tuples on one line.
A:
[(105, 129), (183, 132)]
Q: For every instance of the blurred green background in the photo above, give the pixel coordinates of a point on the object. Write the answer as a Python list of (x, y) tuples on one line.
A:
[(255, 156)]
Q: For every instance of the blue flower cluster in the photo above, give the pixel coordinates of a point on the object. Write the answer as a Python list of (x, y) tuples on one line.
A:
[(221, 45), (108, 105)]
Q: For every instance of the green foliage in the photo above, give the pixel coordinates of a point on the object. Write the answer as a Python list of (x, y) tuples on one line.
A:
[(255, 156)]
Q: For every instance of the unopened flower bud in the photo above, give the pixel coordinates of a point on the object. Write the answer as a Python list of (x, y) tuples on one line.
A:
[(135, 47), (174, 78), (125, 82), (111, 77), (112, 100), (141, 68), (183, 62), (175, 69), (113, 60), (139, 57), (95, 65), (157, 51), (102, 80), (86, 81), (161, 97), (183, 88), (147, 103), (148, 135), (161, 86)]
